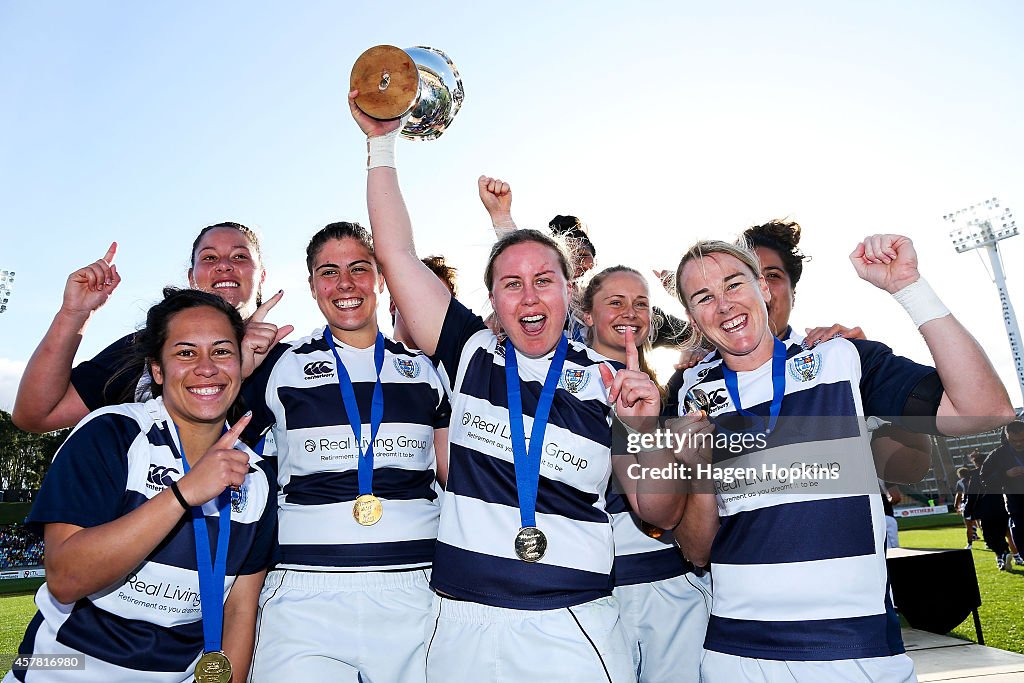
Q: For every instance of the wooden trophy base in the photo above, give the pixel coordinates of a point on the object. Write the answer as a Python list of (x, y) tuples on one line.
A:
[(388, 82)]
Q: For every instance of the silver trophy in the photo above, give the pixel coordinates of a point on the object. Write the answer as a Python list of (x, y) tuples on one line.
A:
[(419, 81)]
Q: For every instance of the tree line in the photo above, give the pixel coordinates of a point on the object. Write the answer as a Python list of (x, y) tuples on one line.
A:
[(25, 457)]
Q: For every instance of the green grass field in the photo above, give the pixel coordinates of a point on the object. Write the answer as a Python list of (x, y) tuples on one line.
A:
[(1002, 606), (19, 587), (1002, 609), (15, 613), (16, 605)]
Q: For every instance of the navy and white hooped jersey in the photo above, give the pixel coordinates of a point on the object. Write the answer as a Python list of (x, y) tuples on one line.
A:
[(147, 626), (296, 392), (480, 518), (639, 557), (801, 576)]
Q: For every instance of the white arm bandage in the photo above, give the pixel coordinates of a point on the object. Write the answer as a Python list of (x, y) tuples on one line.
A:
[(380, 150), (921, 302)]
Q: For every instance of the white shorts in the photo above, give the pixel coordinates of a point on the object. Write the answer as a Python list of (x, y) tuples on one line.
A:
[(666, 621), (342, 627), (717, 667), (470, 642)]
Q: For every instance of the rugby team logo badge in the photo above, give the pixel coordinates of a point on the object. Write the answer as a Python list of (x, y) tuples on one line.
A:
[(805, 368), (575, 379), (408, 368), (239, 498)]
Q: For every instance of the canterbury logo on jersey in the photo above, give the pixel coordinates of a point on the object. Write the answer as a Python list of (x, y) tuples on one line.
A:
[(159, 476), (318, 368)]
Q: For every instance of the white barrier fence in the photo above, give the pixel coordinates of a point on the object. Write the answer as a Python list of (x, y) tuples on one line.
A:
[(920, 511), (36, 573)]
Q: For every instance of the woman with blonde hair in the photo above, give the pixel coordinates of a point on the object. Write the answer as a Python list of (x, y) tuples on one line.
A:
[(827, 614)]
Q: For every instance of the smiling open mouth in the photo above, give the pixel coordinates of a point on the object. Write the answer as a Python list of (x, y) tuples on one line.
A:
[(735, 323), (207, 391), (347, 304), (532, 324)]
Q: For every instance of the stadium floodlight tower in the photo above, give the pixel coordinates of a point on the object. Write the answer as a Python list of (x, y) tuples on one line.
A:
[(983, 225), (6, 285)]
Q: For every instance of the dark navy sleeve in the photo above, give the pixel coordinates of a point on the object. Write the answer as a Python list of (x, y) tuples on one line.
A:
[(995, 467), (111, 377), (443, 414), (460, 324), (887, 380), (86, 483), (261, 554), (991, 473), (254, 397)]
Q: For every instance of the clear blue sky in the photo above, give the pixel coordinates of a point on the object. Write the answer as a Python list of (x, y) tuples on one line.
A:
[(657, 123)]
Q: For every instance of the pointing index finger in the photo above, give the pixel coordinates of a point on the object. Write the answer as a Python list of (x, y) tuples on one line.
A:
[(632, 355), (111, 252), (228, 438), (261, 312)]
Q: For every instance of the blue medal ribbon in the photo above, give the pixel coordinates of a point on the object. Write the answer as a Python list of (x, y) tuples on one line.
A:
[(348, 397), (211, 572), (778, 385), (527, 463)]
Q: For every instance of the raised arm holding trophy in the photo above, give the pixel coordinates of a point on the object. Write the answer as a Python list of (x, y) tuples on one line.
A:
[(421, 82)]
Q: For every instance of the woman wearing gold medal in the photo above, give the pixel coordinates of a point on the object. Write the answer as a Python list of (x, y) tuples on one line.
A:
[(148, 508), (354, 416), (524, 549)]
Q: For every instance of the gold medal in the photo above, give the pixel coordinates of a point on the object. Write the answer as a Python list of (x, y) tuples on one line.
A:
[(213, 667), (531, 544), (367, 509), (651, 530)]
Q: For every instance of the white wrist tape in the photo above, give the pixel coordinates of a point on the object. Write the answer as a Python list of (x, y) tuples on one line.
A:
[(380, 150), (921, 302)]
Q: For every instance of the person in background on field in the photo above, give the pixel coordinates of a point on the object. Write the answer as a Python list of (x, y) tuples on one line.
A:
[(1003, 471), (891, 496), (966, 485)]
